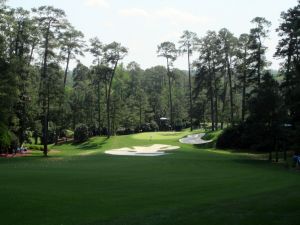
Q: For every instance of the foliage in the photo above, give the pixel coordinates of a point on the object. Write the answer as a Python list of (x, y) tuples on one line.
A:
[(265, 124), (40, 95), (81, 133), (5, 137)]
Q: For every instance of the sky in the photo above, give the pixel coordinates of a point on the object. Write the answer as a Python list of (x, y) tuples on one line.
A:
[(141, 25)]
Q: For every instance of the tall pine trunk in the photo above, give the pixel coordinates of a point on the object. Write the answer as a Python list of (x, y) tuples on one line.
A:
[(190, 90), (230, 88), (170, 94), (45, 103), (211, 96), (244, 86), (259, 64), (109, 99), (99, 108), (216, 100), (224, 101)]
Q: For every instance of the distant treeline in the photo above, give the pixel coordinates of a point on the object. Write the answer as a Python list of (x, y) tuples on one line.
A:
[(41, 97)]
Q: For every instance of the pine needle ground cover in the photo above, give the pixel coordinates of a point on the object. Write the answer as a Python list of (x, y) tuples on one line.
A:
[(80, 185)]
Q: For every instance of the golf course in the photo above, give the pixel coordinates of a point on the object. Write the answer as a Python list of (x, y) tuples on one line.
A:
[(195, 184)]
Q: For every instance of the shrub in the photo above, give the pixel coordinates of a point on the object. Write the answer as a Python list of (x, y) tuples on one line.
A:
[(7, 138), (51, 135), (35, 147), (178, 125), (67, 133), (154, 126), (146, 127), (249, 135), (229, 138), (81, 133), (125, 131)]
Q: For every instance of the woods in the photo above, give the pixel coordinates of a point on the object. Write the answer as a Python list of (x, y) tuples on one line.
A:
[(226, 77)]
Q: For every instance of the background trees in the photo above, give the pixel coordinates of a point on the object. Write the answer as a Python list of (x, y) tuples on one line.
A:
[(113, 54), (288, 50), (168, 50), (257, 36), (226, 84), (50, 21), (188, 42)]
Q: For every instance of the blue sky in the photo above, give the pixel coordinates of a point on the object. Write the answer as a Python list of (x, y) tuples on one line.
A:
[(141, 25)]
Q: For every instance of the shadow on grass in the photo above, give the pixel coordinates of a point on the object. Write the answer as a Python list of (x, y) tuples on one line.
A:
[(171, 134), (206, 145), (91, 145), (64, 143)]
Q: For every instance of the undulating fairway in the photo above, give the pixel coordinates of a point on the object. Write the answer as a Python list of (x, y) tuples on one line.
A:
[(80, 185)]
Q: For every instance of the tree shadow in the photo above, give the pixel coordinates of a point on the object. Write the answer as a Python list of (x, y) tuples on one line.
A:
[(206, 145), (90, 145), (171, 134)]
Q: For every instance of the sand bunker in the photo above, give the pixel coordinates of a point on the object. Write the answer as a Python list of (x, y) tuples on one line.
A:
[(153, 150), (194, 139)]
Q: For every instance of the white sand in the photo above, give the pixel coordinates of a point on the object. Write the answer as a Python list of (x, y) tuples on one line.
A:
[(194, 139), (153, 150)]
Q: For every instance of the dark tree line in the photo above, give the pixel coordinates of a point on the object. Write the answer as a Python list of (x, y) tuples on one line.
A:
[(42, 98), (270, 112)]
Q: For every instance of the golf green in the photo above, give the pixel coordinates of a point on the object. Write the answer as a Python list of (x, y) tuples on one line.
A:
[(80, 185)]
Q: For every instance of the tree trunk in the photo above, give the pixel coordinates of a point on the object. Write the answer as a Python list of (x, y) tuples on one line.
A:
[(212, 109), (170, 94), (211, 96), (284, 152), (67, 68), (259, 64), (61, 102), (276, 147), (190, 89), (244, 87), (45, 98), (36, 138), (108, 100), (99, 109), (270, 155), (216, 100), (140, 125), (224, 101), (31, 53), (230, 89)]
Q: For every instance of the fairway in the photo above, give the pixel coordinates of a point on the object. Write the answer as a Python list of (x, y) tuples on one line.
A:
[(80, 185)]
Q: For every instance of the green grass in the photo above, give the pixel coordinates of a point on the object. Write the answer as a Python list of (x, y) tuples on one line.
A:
[(79, 185)]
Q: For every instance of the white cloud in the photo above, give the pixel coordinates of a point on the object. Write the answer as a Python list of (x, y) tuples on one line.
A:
[(97, 3), (134, 12), (179, 16), (169, 14)]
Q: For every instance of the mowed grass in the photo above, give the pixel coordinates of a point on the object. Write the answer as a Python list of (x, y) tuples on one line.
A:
[(80, 185)]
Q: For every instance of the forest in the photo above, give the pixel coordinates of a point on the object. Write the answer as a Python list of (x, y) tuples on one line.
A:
[(229, 86)]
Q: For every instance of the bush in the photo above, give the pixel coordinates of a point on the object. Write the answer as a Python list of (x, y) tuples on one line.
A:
[(81, 133), (35, 147), (229, 138), (52, 135), (178, 125), (154, 126), (5, 136), (125, 131), (67, 133), (249, 135)]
